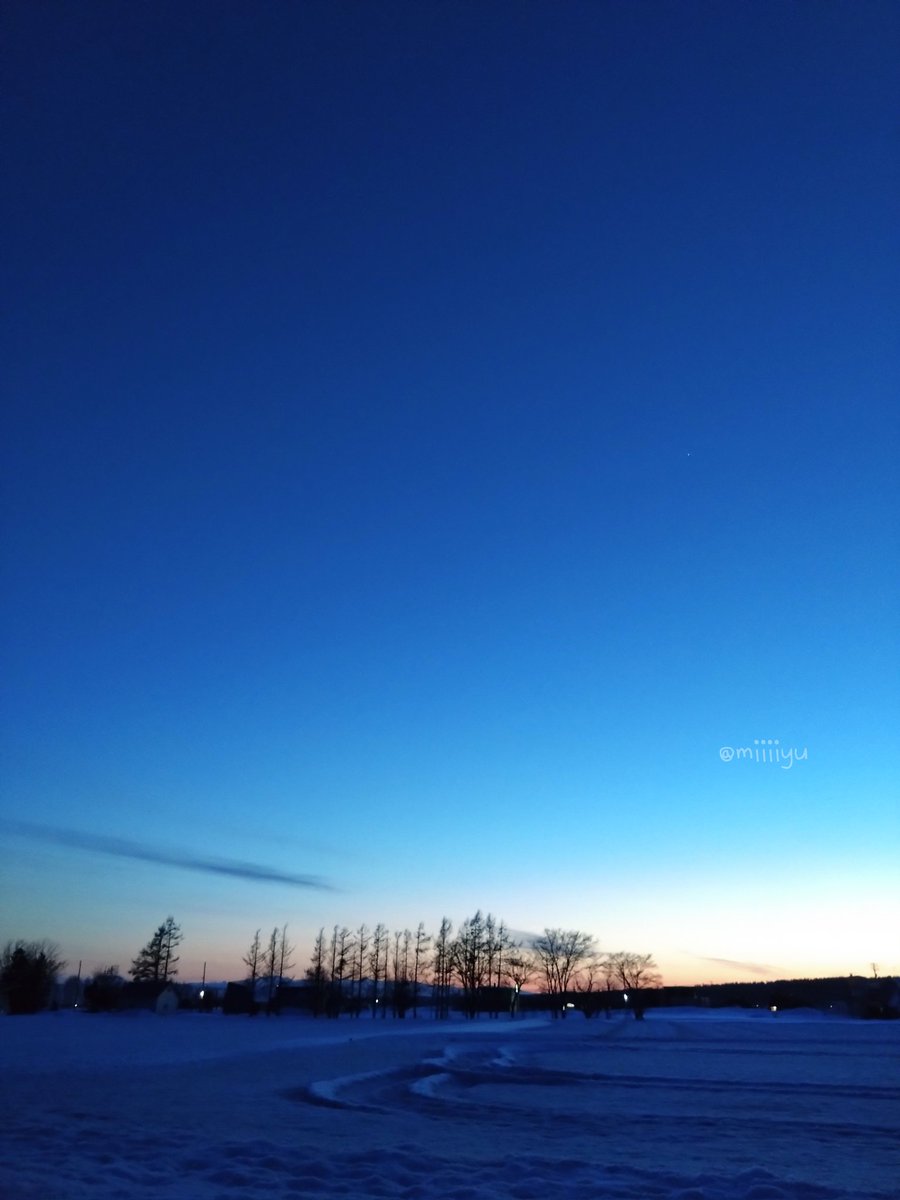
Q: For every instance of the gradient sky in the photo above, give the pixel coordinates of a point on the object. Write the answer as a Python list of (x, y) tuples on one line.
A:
[(431, 432)]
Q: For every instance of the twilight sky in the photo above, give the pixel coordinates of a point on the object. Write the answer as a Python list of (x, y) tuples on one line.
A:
[(431, 433)]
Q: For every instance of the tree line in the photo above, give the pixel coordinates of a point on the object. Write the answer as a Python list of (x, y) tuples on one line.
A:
[(477, 967)]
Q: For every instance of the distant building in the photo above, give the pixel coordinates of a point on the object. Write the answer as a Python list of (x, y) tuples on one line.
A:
[(166, 1001)]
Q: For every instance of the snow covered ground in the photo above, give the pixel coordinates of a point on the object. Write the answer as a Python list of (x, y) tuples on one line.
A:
[(686, 1106)]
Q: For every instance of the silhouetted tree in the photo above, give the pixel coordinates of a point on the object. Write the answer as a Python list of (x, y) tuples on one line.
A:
[(28, 972), (521, 966), (73, 991), (635, 973), (589, 986), (470, 959), (442, 969), (253, 961), (359, 966), (608, 967), (103, 993), (277, 958), (422, 943), (341, 957), (378, 963), (157, 959), (270, 967), (503, 946), (317, 976), (561, 954), (285, 955), (499, 945), (490, 946), (400, 989)]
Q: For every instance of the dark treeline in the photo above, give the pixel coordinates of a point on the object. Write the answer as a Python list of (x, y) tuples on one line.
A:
[(851, 994), (479, 967), (476, 968)]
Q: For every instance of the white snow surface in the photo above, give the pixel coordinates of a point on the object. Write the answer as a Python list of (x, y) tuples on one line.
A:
[(684, 1106)]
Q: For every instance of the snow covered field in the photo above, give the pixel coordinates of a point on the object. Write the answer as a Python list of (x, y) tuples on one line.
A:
[(686, 1106)]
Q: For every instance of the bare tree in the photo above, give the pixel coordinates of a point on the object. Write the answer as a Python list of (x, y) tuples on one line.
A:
[(285, 955), (491, 950), (505, 946), (270, 968), (469, 956), (103, 992), (400, 963), (341, 952), (362, 946), (520, 968), (420, 950), (317, 975), (561, 954), (589, 986), (608, 967), (378, 962), (442, 969), (635, 973), (402, 987), (253, 960), (346, 951), (273, 962), (407, 944)]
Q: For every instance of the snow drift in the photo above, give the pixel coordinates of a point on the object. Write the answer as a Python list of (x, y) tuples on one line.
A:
[(685, 1106)]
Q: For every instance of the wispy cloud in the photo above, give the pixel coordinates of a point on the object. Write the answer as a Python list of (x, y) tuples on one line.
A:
[(523, 936), (736, 964), (115, 847)]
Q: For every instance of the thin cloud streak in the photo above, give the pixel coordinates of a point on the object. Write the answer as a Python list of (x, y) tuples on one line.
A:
[(762, 969), (115, 847)]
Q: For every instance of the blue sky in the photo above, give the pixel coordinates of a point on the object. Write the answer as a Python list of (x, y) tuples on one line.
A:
[(431, 433)]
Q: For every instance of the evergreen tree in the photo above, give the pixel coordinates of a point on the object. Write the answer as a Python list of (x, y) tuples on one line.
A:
[(157, 960), (27, 974)]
